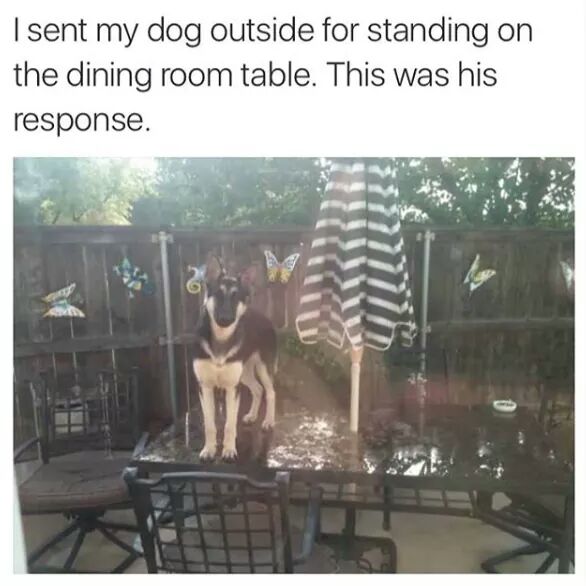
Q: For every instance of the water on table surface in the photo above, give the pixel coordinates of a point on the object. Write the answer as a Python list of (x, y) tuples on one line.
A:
[(312, 433), (441, 441)]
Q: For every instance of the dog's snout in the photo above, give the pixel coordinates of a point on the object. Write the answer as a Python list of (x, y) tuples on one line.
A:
[(227, 307), (225, 313)]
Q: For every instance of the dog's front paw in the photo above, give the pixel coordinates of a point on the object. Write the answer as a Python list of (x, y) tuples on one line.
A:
[(250, 418), (268, 424), (229, 454), (208, 453)]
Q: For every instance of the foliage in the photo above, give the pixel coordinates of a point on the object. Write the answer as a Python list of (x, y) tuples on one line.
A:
[(76, 191), (269, 191), (488, 191), (327, 368), (233, 192)]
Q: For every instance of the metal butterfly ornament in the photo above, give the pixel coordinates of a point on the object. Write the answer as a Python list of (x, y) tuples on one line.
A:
[(134, 278), (280, 272), (60, 304), (475, 278), (194, 283)]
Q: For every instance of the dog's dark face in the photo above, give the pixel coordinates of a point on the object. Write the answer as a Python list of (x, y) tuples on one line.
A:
[(227, 298)]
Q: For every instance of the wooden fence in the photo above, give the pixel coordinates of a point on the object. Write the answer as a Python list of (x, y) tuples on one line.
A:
[(519, 321)]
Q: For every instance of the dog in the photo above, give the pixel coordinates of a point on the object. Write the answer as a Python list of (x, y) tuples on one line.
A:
[(234, 344)]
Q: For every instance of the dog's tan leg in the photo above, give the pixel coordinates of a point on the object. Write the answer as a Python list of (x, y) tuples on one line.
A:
[(208, 408), (232, 404), (249, 380), (267, 383)]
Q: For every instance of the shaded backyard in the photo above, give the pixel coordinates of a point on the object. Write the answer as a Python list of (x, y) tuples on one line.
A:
[(513, 338)]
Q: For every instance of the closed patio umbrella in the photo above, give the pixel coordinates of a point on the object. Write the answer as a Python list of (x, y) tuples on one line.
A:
[(356, 290)]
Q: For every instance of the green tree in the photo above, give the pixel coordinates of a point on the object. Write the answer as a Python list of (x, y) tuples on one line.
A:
[(77, 191), (269, 191), (488, 191), (233, 192)]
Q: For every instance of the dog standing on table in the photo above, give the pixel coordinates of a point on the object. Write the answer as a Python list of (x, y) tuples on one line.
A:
[(234, 344)]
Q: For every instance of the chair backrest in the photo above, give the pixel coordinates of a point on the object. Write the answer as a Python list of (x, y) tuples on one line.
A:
[(199, 522), (85, 409), (27, 415)]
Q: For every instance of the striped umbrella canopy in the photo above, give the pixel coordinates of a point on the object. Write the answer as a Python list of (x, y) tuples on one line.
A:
[(356, 290)]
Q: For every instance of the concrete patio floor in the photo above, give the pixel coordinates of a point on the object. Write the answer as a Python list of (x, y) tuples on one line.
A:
[(425, 543)]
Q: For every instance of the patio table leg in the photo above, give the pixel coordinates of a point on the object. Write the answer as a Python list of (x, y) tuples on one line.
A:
[(350, 522), (387, 507), (567, 540), (484, 501)]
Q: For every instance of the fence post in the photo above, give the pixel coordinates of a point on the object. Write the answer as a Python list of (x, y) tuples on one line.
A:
[(164, 239), (428, 236)]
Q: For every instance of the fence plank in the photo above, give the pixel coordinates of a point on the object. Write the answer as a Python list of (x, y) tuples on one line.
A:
[(55, 259), (95, 291), (118, 293), (145, 311)]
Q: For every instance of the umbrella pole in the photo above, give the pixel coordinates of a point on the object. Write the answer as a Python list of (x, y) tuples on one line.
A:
[(356, 357)]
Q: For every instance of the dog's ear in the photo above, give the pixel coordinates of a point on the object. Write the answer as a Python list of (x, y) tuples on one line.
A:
[(214, 269)]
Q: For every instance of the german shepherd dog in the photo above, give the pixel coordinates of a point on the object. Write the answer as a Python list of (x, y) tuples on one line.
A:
[(234, 344)]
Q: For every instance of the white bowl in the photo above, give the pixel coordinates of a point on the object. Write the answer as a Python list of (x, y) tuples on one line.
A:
[(504, 406)]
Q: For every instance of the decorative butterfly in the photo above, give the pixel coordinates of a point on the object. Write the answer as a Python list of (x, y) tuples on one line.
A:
[(476, 278), (568, 273), (193, 285), (134, 278), (280, 271), (59, 304)]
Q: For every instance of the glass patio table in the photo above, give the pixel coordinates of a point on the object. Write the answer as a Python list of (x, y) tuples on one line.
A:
[(422, 460)]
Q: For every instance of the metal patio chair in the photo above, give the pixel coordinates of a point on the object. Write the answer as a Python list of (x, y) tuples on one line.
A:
[(537, 520), (201, 522), (85, 427)]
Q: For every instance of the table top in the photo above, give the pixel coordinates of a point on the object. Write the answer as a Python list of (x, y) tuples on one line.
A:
[(451, 447)]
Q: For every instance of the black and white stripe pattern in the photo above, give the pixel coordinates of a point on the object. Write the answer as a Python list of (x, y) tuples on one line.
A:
[(356, 285)]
